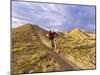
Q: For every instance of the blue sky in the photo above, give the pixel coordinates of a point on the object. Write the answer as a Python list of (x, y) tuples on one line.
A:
[(58, 17)]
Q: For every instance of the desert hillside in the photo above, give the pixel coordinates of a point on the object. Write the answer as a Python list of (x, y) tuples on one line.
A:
[(32, 51), (30, 55), (79, 47)]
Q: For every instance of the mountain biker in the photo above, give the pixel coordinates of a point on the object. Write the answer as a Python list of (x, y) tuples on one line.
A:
[(51, 35)]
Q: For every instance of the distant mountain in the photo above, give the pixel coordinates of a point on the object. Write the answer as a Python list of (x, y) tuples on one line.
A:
[(90, 34), (78, 34)]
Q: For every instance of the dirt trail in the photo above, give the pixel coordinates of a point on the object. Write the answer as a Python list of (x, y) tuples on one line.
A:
[(66, 64)]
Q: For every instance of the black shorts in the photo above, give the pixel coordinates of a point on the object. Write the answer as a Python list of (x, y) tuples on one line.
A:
[(51, 38)]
